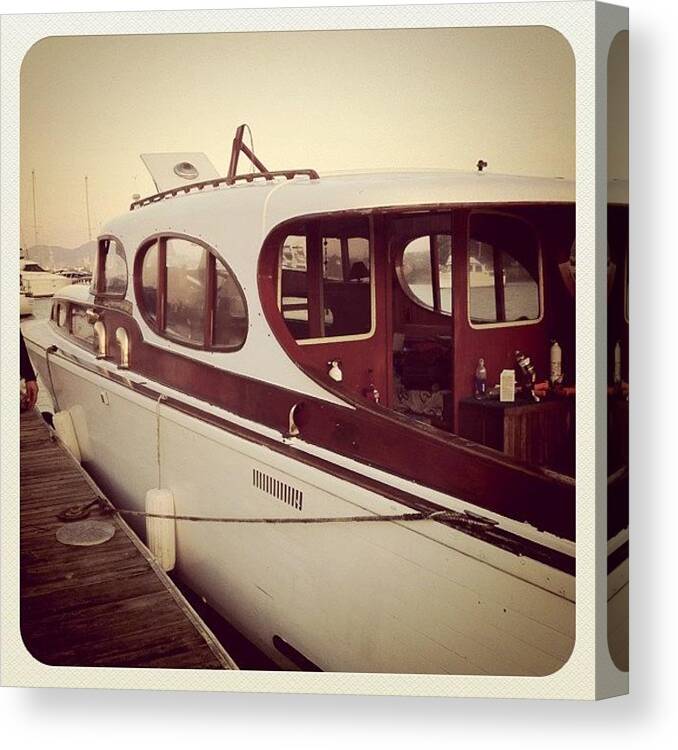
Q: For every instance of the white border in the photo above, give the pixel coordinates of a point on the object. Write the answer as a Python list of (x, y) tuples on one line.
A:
[(577, 22)]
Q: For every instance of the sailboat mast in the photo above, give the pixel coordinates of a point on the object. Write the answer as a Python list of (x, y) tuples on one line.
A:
[(89, 224), (35, 214)]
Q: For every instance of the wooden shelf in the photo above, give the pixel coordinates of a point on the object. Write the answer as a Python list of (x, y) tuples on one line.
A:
[(540, 433)]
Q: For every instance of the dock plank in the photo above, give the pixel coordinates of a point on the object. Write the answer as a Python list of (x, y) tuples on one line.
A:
[(104, 605)]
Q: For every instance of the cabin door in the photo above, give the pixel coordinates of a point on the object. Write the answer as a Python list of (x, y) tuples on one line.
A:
[(422, 258)]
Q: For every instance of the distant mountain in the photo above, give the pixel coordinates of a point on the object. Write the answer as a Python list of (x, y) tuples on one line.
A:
[(62, 257)]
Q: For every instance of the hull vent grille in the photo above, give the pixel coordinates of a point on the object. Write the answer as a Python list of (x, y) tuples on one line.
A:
[(289, 495)]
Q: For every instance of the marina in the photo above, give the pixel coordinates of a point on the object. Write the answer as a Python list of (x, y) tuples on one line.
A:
[(108, 604)]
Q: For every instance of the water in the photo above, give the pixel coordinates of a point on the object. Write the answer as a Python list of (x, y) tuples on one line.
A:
[(521, 299)]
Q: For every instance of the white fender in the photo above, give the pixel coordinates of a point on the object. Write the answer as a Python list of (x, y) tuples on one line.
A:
[(161, 532), (63, 426)]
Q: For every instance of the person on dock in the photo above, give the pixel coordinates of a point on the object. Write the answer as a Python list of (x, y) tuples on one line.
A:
[(27, 374)]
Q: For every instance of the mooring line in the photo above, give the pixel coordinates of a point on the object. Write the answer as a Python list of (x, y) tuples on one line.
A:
[(436, 515), (160, 398), (51, 350), (82, 511)]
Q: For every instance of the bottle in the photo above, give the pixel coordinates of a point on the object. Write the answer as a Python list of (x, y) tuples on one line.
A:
[(556, 363), (480, 379), (527, 373)]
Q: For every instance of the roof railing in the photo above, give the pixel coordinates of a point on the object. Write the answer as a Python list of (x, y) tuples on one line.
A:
[(231, 178)]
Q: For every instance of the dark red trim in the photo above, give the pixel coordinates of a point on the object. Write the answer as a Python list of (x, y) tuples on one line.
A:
[(161, 296), (469, 524), (369, 434), (210, 299)]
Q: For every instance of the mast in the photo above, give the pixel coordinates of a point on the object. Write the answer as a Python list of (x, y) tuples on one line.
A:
[(35, 215), (89, 224)]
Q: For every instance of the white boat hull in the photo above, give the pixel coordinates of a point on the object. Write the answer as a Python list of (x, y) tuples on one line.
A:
[(43, 284), (415, 597)]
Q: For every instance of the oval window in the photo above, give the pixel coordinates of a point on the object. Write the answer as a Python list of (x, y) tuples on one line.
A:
[(188, 295), (426, 272)]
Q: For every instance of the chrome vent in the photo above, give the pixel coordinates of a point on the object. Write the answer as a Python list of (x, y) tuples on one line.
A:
[(289, 495)]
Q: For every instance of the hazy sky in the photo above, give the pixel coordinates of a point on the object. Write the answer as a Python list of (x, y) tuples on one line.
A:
[(327, 100)]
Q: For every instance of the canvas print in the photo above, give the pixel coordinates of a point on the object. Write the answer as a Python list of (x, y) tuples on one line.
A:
[(300, 312), (618, 350)]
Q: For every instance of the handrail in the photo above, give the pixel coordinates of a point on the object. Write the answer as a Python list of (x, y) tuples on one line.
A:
[(231, 178), (289, 174)]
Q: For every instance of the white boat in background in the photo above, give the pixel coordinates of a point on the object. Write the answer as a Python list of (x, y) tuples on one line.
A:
[(479, 274), (76, 276), (35, 281)]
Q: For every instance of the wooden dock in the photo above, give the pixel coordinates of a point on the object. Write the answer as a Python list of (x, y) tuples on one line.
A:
[(108, 605)]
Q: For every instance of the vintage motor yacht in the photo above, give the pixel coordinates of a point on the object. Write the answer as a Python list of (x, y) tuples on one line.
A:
[(268, 345)]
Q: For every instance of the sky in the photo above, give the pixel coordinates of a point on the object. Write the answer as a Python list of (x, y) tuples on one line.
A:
[(332, 100)]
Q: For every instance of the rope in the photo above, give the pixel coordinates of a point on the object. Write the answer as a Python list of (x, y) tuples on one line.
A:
[(321, 519), (81, 511), (76, 512), (157, 434), (48, 351)]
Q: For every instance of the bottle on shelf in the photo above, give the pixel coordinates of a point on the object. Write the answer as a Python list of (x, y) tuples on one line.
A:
[(556, 377), (480, 380)]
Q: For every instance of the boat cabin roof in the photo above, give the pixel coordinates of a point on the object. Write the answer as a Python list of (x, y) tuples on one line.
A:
[(279, 199), (234, 220), (285, 198)]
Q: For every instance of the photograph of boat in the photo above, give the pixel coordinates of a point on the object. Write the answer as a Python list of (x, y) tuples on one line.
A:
[(339, 407), (273, 397)]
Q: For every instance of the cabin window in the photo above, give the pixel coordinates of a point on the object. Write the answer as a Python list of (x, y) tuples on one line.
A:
[(326, 280), (188, 295), (110, 276), (81, 328), (425, 272), (230, 313), (149, 282), (34, 267), (504, 270), (58, 314), (186, 288)]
